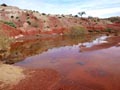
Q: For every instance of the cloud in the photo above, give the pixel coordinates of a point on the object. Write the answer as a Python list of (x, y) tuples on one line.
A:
[(102, 8)]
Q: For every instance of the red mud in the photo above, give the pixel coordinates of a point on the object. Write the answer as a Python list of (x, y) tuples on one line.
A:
[(43, 79), (48, 79)]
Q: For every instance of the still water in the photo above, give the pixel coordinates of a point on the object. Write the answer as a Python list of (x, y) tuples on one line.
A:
[(91, 60)]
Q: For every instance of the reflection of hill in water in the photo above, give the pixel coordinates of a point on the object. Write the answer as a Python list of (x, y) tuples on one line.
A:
[(21, 50)]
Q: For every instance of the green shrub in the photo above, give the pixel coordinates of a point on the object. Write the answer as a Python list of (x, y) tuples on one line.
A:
[(5, 5), (114, 19), (12, 16), (10, 24), (43, 14), (17, 17), (29, 22), (108, 30), (76, 16), (90, 31)]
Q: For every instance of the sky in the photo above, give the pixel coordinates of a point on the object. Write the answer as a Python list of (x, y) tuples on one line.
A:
[(95, 8)]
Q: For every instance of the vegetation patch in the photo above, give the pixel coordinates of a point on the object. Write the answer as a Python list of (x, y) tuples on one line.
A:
[(10, 24), (5, 42), (10, 75), (114, 19), (75, 31), (109, 30)]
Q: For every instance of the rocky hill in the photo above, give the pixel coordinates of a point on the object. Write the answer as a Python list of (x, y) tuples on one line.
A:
[(16, 22)]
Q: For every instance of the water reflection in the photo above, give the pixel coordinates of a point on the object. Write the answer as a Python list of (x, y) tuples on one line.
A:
[(91, 61), (23, 49), (97, 41)]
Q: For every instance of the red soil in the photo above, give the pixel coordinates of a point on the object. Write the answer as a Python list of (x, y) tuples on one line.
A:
[(48, 24), (44, 79), (48, 79), (10, 31)]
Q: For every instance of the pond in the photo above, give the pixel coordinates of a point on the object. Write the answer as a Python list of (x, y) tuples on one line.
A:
[(89, 60)]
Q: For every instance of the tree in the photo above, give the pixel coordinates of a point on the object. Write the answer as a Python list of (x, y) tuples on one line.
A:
[(76, 16), (5, 5), (81, 13)]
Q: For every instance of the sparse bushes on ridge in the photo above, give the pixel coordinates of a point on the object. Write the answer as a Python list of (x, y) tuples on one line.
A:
[(114, 19)]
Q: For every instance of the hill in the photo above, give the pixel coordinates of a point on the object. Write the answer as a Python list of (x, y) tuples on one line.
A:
[(27, 22)]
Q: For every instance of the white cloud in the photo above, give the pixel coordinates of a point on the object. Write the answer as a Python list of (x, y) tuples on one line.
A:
[(91, 7)]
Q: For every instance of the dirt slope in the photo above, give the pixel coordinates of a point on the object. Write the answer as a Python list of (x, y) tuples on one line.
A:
[(28, 22)]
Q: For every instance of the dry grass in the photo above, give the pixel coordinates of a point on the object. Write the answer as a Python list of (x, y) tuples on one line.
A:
[(10, 75), (4, 41), (75, 31)]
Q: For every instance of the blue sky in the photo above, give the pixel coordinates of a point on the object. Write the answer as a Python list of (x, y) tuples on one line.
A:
[(96, 8)]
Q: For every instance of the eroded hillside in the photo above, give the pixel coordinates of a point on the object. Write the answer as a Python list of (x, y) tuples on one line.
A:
[(28, 22)]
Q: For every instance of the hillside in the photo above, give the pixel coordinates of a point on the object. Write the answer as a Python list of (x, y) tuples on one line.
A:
[(28, 22)]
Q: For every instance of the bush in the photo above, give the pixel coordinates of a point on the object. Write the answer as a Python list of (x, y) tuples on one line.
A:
[(43, 14), (114, 19), (12, 16), (59, 17), (56, 25), (10, 24), (48, 27), (29, 22), (76, 16), (75, 31), (17, 17), (63, 15), (108, 30)]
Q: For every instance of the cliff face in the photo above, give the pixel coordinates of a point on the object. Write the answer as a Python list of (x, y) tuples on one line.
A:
[(28, 22)]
